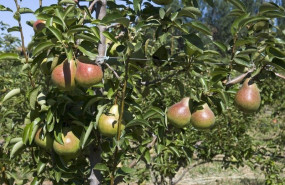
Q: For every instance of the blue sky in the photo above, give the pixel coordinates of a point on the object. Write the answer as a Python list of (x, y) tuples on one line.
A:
[(7, 17)]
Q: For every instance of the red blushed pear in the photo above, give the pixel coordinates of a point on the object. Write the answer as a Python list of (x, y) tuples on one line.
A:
[(203, 118), (63, 75), (179, 114), (39, 25), (87, 73), (248, 98), (70, 147)]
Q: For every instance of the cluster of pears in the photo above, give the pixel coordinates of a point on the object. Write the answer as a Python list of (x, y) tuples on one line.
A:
[(108, 123), (68, 150), (83, 72), (180, 116), (248, 99)]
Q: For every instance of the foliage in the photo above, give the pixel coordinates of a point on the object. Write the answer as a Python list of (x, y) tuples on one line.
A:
[(163, 54)]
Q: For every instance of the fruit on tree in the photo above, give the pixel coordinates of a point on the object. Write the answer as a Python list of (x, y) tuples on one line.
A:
[(203, 118), (162, 2), (70, 147), (87, 73), (108, 123), (247, 98), (46, 142), (63, 75), (179, 114), (39, 25)]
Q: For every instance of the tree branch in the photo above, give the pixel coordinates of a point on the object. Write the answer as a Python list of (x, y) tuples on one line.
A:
[(115, 73), (101, 10), (23, 42)]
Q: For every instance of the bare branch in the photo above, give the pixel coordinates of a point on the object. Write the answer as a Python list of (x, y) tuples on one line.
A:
[(280, 75), (115, 73), (187, 170), (238, 79)]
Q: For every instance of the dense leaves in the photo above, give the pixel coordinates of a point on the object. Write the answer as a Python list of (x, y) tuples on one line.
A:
[(155, 56)]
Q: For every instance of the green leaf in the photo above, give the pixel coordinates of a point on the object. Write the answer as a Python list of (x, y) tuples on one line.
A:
[(14, 28), (33, 129), (25, 10), (33, 97), (274, 51), (17, 16), (128, 170), (11, 94), (91, 55), (16, 149), (87, 134), (110, 36), (26, 133), (137, 5), (67, 2), (268, 7), (278, 63), (42, 47), (238, 4), (3, 8), (138, 122), (41, 166), (221, 46), (101, 167), (115, 17), (191, 12), (235, 27), (9, 56), (35, 181), (174, 149), (56, 32), (161, 13), (201, 27)]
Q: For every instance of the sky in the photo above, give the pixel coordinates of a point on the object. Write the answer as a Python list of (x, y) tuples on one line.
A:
[(7, 17)]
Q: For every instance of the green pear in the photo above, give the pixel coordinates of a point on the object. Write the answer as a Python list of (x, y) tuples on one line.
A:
[(203, 118), (248, 98), (45, 142), (108, 124), (179, 114), (70, 147)]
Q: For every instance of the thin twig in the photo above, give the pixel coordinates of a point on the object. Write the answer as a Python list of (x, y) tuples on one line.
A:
[(187, 170), (280, 75), (115, 73), (23, 42)]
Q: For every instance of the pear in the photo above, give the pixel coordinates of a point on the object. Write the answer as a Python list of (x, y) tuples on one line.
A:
[(46, 142), (108, 124), (203, 118), (39, 25), (63, 75), (70, 147), (87, 73), (248, 98), (179, 114)]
